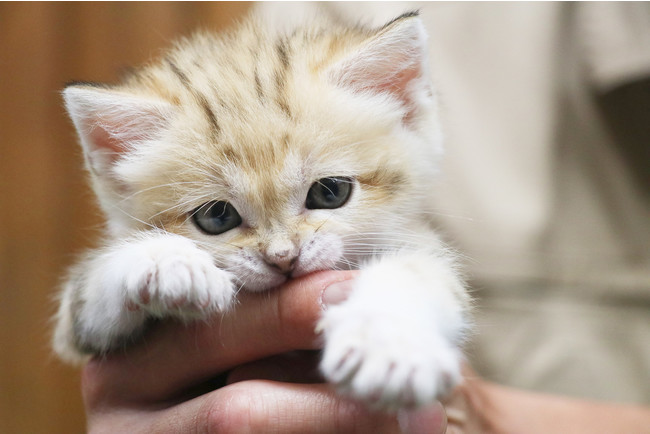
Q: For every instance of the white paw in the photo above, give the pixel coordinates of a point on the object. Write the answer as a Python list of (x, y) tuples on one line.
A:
[(386, 360), (170, 275)]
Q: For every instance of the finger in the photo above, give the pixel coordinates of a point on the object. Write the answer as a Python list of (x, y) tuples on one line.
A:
[(293, 367), (260, 406), (174, 356)]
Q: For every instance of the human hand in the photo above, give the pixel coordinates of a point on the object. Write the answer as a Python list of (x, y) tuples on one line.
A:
[(480, 406), (171, 381)]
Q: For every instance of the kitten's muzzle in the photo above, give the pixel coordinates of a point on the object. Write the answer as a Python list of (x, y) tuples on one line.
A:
[(281, 254)]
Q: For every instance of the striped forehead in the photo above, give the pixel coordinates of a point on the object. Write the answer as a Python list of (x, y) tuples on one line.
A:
[(225, 81), (266, 185)]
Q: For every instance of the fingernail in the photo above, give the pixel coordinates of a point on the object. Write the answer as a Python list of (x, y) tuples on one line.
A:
[(336, 292), (429, 420)]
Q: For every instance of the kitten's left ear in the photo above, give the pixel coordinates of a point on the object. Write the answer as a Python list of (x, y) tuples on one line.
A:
[(111, 123), (394, 60)]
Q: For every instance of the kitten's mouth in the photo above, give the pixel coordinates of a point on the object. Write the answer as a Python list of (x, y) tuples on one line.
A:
[(259, 282), (286, 273), (285, 268), (275, 276)]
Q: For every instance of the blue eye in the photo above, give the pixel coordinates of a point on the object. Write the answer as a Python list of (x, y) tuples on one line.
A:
[(329, 193), (216, 217)]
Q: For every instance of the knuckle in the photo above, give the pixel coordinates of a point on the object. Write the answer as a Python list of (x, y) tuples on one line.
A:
[(230, 412)]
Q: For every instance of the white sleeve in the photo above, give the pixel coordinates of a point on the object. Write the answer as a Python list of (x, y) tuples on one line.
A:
[(616, 39)]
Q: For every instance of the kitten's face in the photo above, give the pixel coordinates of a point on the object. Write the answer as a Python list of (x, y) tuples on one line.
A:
[(277, 199), (280, 155)]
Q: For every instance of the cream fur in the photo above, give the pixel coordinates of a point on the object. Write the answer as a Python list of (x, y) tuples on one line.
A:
[(255, 119)]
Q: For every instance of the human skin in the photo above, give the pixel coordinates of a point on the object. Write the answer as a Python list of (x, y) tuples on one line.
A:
[(253, 370), (479, 406), (167, 382)]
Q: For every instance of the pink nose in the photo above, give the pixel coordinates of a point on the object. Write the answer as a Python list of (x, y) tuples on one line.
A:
[(282, 264), (281, 254)]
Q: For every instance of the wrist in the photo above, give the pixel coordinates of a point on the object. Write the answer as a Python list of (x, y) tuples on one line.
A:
[(501, 409)]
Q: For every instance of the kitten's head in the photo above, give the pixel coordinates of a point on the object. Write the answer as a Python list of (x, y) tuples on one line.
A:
[(279, 154)]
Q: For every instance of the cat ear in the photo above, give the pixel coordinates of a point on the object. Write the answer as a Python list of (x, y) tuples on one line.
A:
[(392, 61), (111, 123)]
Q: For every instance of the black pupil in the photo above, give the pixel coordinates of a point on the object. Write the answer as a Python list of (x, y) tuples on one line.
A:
[(329, 193), (216, 217)]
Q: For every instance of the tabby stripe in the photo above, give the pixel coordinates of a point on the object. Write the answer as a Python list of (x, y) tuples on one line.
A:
[(409, 14), (258, 85), (208, 112), (387, 179), (203, 101), (281, 76), (282, 53), (180, 74)]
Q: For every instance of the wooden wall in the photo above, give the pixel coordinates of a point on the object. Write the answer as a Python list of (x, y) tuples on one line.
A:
[(47, 213)]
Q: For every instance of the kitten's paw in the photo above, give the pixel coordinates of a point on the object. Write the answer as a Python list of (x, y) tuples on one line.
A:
[(380, 360), (173, 276)]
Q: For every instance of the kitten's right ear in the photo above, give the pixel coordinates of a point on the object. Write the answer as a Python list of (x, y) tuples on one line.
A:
[(111, 123), (392, 61)]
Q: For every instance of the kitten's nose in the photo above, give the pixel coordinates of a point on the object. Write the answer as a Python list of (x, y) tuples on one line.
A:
[(283, 264), (282, 259)]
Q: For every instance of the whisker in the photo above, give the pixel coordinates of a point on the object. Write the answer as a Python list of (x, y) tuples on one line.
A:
[(144, 190)]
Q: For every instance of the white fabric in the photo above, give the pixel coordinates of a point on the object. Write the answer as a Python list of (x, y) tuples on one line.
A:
[(533, 190)]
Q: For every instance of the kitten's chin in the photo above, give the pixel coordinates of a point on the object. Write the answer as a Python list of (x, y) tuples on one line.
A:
[(259, 283)]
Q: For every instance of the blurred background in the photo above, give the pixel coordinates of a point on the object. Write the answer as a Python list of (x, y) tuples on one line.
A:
[(47, 212)]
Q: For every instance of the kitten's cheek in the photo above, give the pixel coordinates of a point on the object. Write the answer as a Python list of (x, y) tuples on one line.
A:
[(321, 252)]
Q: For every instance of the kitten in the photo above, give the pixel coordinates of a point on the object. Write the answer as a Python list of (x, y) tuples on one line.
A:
[(242, 160)]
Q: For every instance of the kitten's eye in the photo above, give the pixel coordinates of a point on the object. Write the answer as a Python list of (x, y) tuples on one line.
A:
[(329, 193), (216, 217)]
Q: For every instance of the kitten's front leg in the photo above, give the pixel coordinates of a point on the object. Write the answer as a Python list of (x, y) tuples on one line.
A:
[(109, 296), (395, 341)]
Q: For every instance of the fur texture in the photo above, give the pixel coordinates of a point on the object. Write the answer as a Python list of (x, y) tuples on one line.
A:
[(257, 120)]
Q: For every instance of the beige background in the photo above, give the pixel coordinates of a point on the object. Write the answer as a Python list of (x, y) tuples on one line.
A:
[(47, 213)]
